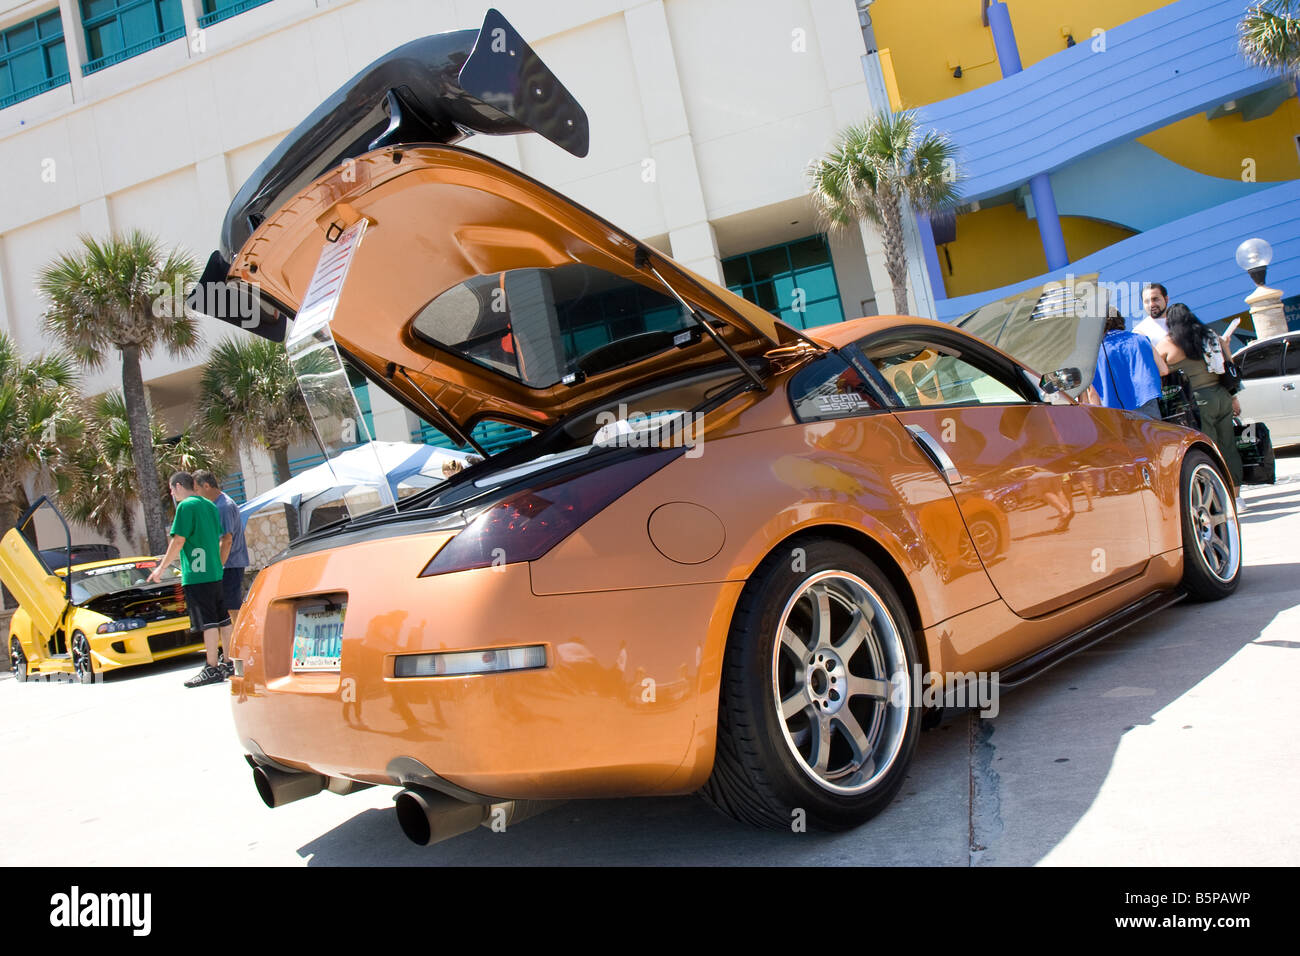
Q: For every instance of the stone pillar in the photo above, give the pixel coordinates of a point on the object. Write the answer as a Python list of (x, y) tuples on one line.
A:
[(1267, 312)]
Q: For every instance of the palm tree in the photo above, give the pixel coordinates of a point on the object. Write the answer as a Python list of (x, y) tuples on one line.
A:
[(873, 170), (249, 394), (124, 292), (40, 423), (107, 492), (1270, 35)]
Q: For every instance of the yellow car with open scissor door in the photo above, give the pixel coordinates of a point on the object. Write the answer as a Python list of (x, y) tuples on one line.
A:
[(88, 618)]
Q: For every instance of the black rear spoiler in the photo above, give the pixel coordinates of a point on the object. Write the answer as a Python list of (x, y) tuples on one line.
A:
[(435, 90)]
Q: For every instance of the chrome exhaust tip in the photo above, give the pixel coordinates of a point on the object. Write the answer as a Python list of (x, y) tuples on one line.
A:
[(428, 817), (276, 788)]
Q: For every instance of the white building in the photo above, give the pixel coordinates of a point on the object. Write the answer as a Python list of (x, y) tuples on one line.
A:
[(117, 114)]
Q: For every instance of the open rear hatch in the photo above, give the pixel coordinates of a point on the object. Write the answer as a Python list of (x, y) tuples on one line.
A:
[(462, 287)]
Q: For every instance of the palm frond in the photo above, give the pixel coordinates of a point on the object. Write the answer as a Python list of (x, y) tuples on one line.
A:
[(1270, 35)]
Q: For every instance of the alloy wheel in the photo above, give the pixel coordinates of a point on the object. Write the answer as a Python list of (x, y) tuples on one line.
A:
[(81, 665), (1214, 521), (17, 660), (839, 670)]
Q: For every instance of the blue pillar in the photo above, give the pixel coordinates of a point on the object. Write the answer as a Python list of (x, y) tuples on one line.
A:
[(1049, 221), (931, 255)]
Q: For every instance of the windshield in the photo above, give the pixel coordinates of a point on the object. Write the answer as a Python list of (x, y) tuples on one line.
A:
[(540, 326), (92, 582)]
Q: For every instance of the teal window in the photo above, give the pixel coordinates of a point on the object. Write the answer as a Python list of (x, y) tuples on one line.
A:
[(493, 436), (794, 281), (215, 11), (33, 58), (234, 486), (117, 30)]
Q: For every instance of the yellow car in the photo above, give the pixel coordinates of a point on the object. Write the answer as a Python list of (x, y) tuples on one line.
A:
[(92, 617)]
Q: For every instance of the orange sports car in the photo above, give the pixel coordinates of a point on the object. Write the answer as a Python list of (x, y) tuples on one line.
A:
[(733, 557)]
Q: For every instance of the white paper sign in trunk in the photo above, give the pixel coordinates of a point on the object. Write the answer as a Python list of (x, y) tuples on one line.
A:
[(327, 281)]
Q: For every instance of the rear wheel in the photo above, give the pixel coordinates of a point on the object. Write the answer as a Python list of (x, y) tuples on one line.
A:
[(83, 669), (1211, 534), (816, 722), (17, 659)]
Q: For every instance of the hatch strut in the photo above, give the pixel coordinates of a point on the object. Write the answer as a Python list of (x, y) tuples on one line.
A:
[(446, 423), (642, 261)]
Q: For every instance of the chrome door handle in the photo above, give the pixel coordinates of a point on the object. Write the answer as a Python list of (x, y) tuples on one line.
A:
[(1288, 386), (936, 453)]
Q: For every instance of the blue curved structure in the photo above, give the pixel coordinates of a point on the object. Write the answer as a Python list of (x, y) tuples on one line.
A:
[(1062, 134), (1192, 256), (1116, 186), (1079, 102)]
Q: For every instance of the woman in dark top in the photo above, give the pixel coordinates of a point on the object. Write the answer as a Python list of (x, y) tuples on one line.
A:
[(1184, 349)]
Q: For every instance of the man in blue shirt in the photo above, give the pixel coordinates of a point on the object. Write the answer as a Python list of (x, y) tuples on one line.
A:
[(234, 549), (1128, 371)]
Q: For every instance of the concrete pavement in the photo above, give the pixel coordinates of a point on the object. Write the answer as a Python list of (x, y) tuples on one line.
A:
[(1172, 743)]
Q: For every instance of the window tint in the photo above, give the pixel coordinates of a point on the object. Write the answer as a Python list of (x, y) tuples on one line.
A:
[(538, 326), (830, 388), (924, 374), (1291, 364), (1263, 361)]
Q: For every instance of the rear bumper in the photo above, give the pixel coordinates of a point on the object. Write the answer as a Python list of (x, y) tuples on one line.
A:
[(627, 702)]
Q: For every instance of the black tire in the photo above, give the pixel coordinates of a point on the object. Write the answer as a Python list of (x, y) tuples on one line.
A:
[(17, 659), (83, 665), (1211, 533), (761, 774)]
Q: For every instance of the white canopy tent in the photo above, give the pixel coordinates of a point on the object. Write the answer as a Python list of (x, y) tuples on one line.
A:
[(405, 467)]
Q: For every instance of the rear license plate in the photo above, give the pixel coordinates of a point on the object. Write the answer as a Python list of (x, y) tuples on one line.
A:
[(318, 637)]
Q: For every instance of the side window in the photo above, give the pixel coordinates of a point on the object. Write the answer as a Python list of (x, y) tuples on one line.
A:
[(830, 388), (923, 374), (1291, 364), (1262, 361)]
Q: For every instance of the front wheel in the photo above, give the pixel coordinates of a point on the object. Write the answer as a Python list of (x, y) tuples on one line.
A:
[(817, 721), (83, 668), (17, 659), (1211, 533)]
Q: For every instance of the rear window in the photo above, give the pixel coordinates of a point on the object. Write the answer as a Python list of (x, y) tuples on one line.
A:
[(830, 388), (540, 326)]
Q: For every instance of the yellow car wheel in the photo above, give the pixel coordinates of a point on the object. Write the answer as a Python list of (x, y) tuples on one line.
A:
[(17, 660), (83, 668)]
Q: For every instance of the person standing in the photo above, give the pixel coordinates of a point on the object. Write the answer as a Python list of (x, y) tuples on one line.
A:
[(1185, 349), (196, 540), (1155, 302), (234, 549), (1128, 371)]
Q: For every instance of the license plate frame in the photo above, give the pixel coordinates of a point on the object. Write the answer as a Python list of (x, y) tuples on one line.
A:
[(317, 637)]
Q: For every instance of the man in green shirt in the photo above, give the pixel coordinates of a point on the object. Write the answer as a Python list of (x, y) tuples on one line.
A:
[(196, 540)]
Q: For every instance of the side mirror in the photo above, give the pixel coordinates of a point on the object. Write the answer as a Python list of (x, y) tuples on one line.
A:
[(1062, 380)]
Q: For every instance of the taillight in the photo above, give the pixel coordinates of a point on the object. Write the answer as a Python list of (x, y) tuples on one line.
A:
[(527, 524)]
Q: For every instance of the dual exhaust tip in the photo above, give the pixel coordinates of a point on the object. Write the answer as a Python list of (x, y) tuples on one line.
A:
[(425, 816)]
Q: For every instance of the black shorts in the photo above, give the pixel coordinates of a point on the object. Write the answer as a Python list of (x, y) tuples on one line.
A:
[(207, 605), (232, 588)]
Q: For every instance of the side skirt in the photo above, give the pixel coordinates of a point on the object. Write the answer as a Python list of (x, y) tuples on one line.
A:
[(1026, 670)]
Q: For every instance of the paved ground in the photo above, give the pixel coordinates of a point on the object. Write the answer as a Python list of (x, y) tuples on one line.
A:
[(1174, 743)]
